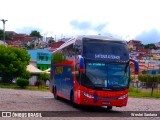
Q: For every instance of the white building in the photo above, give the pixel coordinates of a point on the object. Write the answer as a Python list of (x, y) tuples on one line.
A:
[(2, 42)]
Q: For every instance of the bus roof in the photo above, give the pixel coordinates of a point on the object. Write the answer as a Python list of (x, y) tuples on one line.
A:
[(98, 37)]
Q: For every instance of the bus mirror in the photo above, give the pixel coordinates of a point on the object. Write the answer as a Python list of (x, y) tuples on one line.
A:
[(81, 64), (136, 66)]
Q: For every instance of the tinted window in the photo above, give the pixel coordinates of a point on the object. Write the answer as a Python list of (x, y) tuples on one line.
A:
[(105, 50)]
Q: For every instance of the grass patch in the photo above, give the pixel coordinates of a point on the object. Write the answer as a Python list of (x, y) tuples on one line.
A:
[(134, 92), (36, 88), (13, 86)]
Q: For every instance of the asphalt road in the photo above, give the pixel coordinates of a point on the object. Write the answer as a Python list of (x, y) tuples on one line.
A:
[(21, 101)]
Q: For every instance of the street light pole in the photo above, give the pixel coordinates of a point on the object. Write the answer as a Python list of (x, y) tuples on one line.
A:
[(4, 29)]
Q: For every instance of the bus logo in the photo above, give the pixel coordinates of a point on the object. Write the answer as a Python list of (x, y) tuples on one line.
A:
[(6, 114)]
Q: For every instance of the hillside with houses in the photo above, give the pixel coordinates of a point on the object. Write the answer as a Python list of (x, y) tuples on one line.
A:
[(149, 59), (40, 50)]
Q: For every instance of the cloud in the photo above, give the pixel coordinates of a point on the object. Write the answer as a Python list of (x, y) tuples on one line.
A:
[(101, 27), (80, 25), (151, 36), (27, 30), (88, 27)]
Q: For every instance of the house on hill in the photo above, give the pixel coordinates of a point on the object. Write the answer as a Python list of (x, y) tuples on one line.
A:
[(55, 45), (42, 57)]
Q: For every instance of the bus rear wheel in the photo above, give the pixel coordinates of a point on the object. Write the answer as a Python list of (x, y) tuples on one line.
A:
[(55, 95)]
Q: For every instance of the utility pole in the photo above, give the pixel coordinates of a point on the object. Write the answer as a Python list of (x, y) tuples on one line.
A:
[(153, 79), (4, 29)]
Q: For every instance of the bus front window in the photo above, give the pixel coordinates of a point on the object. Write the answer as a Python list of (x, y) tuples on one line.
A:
[(118, 76), (109, 76), (97, 74)]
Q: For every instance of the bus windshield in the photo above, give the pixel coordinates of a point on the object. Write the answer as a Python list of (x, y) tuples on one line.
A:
[(106, 76)]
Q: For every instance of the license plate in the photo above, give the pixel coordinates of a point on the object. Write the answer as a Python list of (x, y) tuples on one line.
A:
[(105, 103)]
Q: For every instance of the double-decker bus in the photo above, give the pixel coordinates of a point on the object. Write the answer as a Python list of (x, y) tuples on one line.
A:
[(92, 70)]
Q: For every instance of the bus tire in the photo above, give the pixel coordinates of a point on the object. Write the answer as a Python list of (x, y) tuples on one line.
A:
[(109, 107), (72, 100), (55, 94)]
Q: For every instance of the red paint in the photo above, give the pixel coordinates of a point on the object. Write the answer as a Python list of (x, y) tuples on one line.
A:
[(103, 95)]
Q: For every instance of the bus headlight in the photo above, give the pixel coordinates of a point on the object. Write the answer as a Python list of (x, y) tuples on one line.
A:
[(123, 96), (87, 95)]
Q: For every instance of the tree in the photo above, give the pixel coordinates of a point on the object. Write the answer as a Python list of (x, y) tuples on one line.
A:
[(150, 46), (26, 75), (13, 62), (30, 46), (58, 57), (44, 76), (35, 33), (51, 40), (148, 79), (6, 36)]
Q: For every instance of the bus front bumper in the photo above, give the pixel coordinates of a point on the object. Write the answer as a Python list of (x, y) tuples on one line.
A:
[(99, 102), (104, 100)]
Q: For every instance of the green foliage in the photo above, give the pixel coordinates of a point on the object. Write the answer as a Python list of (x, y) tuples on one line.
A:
[(143, 78), (134, 92), (26, 75), (58, 57), (35, 33), (21, 82), (44, 76), (132, 89), (131, 78), (149, 79), (13, 62), (6, 36), (30, 46), (12, 86), (150, 46)]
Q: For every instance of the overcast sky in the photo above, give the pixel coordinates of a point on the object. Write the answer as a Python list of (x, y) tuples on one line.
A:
[(127, 19)]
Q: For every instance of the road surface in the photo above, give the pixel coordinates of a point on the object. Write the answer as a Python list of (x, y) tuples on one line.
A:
[(27, 100)]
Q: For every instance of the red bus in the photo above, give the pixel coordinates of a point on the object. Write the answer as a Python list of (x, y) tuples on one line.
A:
[(92, 70)]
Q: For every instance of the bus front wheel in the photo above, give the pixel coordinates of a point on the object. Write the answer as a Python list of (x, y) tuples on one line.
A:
[(109, 107), (55, 94), (72, 100)]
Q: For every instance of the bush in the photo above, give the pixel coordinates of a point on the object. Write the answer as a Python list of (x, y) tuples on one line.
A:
[(22, 82)]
